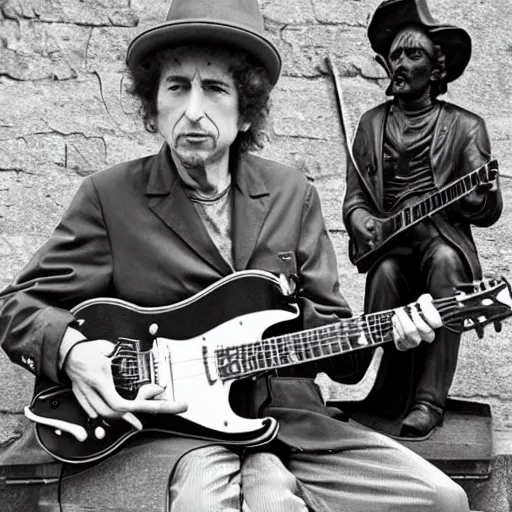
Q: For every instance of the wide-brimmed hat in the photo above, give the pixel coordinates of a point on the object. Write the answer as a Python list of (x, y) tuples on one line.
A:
[(231, 23), (393, 15)]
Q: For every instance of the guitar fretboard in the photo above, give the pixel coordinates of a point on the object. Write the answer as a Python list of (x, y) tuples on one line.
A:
[(305, 346), (435, 202)]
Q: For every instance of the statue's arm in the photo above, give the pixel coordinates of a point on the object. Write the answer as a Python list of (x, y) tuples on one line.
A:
[(483, 207)]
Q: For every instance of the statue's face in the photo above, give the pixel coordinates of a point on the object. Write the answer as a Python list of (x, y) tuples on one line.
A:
[(410, 61)]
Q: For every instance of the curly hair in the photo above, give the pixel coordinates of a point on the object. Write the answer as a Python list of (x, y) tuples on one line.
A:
[(250, 77)]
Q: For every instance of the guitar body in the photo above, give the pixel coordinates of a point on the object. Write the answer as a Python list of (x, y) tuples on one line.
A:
[(236, 310)]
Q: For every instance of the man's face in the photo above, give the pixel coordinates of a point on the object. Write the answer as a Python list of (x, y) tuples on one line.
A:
[(410, 60), (197, 105)]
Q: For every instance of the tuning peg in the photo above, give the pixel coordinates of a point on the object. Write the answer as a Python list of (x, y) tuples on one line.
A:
[(479, 332), (497, 326)]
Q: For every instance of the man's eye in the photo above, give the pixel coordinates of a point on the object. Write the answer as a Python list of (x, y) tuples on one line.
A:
[(174, 87), (415, 54), (216, 88)]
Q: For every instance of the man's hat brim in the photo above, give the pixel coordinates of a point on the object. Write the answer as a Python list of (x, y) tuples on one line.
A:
[(178, 33), (394, 15)]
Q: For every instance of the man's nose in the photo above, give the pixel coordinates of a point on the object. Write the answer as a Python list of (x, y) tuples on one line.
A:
[(195, 106)]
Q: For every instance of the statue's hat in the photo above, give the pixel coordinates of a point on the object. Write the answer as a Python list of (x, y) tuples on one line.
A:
[(391, 16), (236, 24)]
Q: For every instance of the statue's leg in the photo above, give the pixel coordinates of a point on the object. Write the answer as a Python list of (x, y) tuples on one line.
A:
[(443, 269), (388, 285)]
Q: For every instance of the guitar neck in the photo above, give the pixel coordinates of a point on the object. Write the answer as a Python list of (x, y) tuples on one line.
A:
[(330, 340), (472, 307), (435, 202)]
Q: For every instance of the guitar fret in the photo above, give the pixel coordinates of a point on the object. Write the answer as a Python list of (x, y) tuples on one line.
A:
[(318, 343)]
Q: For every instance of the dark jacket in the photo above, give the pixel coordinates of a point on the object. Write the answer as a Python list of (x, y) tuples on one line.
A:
[(132, 233), (460, 145)]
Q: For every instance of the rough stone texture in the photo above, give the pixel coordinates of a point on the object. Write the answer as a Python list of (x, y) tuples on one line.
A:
[(65, 113)]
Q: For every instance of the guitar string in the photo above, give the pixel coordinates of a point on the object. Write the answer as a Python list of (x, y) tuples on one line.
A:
[(268, 345)]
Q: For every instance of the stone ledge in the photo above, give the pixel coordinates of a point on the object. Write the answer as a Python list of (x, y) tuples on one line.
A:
[(491, 495)]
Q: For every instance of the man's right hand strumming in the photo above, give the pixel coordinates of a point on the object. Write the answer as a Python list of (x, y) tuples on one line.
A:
[(88, 366)]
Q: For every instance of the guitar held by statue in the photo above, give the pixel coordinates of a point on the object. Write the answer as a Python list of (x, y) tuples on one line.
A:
[(416, 210)]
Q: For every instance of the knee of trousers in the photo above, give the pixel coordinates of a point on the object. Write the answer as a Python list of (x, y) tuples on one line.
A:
[(448, 259), (386, 275), (204, 480), (387, 271), (450, 497), (266, 469)]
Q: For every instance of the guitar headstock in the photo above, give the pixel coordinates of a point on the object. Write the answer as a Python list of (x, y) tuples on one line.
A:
[(476, 305)]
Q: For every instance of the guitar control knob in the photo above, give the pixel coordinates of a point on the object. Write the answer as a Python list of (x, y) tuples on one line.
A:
[(153, 329), (99, 432), (58, 432)]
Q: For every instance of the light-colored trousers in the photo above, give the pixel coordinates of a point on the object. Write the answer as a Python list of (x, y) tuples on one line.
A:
[(372, 474)]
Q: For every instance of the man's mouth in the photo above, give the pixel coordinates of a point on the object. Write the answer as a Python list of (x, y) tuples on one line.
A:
[(196, 137), (399, 80)]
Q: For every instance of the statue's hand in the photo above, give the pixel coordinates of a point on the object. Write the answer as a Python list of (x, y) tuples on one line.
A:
[(365, 228), (476, 198)]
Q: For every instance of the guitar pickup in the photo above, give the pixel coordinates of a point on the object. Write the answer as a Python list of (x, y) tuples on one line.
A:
[(78, 432)]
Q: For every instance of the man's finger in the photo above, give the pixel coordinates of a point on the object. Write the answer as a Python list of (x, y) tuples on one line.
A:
[(82, 400), (425, 331), (132, 420), (429, 311), (157, 406), (100, 405), (149, 391), (411, 337)]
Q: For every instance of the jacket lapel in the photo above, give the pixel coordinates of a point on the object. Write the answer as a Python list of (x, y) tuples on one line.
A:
[(251, 204), (378, 125), (170, 203)]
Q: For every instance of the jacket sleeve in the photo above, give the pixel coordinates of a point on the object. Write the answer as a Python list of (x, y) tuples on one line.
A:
[(321, 299), (73, 265), (476, 151), (355, 195)]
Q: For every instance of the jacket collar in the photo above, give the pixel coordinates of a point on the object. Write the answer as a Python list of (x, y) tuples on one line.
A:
[(170, 203)]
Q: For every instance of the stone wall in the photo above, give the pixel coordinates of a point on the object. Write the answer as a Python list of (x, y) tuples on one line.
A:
[(65, 113)]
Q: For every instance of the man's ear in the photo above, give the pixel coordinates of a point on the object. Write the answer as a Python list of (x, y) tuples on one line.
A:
[(244, 126), (435, 76)]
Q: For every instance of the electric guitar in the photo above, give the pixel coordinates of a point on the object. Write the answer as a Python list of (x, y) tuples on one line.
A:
[(363, 256), (196, 349)]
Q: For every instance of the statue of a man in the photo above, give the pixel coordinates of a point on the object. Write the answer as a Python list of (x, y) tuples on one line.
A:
[(403, 149)]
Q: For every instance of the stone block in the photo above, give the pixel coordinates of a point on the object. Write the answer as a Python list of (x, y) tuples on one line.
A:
[(288, 12), (309, 156), (495, 493), (37, 51), (57, 107), (150, 13), (305, 47), (93, 12), (349, 12), (106, 50), (294, 115), (34, 203)]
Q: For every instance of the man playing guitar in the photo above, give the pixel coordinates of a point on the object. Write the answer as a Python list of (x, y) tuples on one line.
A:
[(157, 231)]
